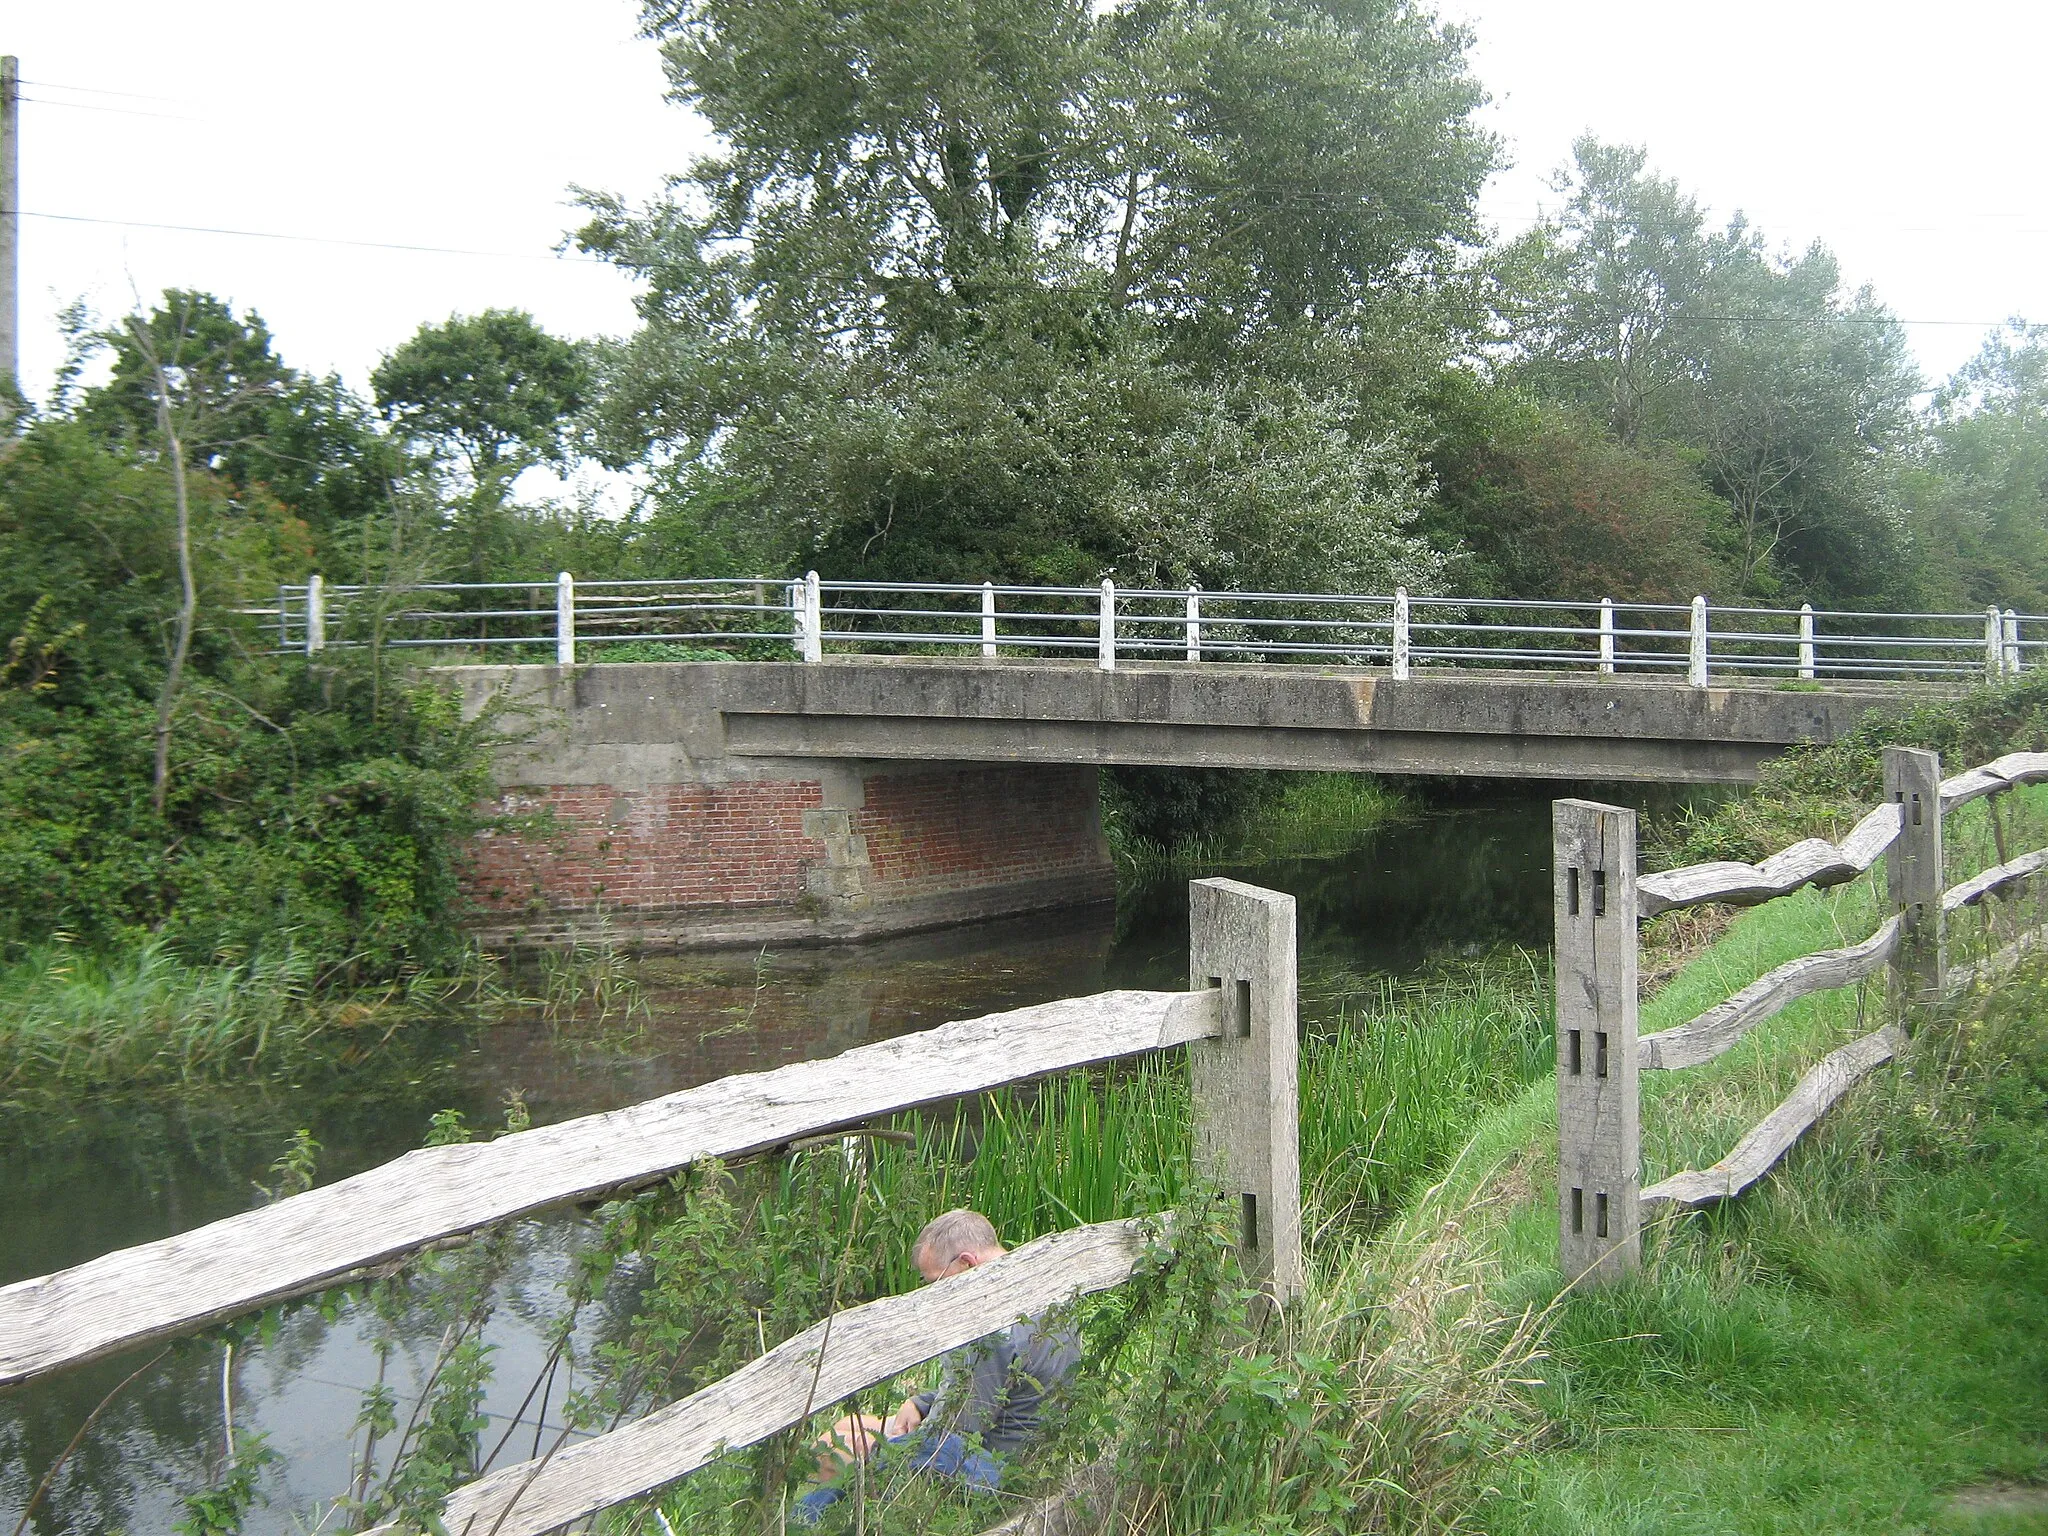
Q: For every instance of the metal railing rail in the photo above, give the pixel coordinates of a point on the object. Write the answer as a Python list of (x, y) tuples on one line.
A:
[(572, 620)]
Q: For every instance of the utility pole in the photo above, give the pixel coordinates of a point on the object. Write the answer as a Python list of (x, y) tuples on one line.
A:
[(10, 230)]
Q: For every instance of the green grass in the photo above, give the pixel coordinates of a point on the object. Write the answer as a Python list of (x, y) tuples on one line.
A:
[(76, 1022), (74, 1019), (1861, 1335), (1313, 816), (1388, 1094)]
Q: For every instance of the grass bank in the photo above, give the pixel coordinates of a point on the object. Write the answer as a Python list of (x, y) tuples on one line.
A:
[(1852, 1345)]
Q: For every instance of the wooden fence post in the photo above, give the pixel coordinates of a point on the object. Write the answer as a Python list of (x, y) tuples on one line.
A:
[(1913, 872), (1246, 1111), (1599, 1137)]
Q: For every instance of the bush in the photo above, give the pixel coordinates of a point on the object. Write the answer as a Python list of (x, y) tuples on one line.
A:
[(315, 811), (1821, 791)]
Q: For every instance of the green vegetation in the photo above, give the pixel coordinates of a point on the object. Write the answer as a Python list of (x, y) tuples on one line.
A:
[(1166, 823), (1836, 1351), (1822, 791)]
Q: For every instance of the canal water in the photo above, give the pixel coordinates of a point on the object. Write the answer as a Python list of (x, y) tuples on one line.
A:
[(1423, 894)]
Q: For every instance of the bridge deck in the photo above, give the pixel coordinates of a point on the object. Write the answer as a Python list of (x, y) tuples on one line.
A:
[(602, 720)]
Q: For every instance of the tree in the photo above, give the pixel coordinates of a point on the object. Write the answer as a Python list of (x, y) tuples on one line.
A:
[(309, 443), (218, 373), (1038, 288), (1545, 499), (193, 387), (1789, 390), (1628, 260), (1800, 392), (1978, 493), (493, 390)]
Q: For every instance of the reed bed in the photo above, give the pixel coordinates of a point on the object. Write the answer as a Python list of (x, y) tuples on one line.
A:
[(75, 1020)]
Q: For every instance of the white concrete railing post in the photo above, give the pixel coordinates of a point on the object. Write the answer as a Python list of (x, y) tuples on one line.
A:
[(565, 620), (316, 615), (1994, 644), (2012, 644), (988, 618), (1806, 658), (1913, 872), (1243, 1086), (1696, 649), (793, 597), (814, 619), (1105, 628), (1599, 1125), (1607, 637), (1194, 621), (1400, 632)]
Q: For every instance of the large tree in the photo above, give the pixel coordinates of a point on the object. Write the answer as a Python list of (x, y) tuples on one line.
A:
[(1789, 389), (1037, 289), (1978, 490), (491, 394)]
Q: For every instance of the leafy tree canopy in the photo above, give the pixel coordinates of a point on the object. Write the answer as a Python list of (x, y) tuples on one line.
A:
[(1026, 288), (1787, 388), (494, 390)]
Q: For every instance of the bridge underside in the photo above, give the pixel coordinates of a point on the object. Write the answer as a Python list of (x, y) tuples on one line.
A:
[(704, 802)]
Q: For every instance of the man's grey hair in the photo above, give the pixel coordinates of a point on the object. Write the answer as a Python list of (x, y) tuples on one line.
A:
[(945, 1238)]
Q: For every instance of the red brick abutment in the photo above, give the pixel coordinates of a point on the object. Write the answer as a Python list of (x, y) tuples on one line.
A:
[(699, 804)]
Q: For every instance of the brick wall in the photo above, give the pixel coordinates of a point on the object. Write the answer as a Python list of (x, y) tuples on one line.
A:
[(957, 829), (675, 862), (675, 846)]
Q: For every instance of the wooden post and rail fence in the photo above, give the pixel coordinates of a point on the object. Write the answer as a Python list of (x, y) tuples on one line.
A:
[(1237, 1020), (1600, 899)]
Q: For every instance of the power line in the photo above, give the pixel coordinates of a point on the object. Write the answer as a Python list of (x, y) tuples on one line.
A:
[(444, 250), (94, 90), (261, 234), (88, 106)]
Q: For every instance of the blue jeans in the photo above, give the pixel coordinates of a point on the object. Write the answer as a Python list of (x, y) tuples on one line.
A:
[(949, 1455)]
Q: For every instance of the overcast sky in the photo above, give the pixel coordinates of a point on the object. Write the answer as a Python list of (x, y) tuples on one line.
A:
[(1905, 135)]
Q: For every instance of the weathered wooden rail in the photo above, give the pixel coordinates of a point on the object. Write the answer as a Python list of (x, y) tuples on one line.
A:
[(1599, 904), (1237, 1021)]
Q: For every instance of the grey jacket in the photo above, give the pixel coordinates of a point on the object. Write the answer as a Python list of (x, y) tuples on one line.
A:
[(997, 1386)]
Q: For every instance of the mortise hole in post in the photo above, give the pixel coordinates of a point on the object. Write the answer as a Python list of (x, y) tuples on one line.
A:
[(1600, 1053), (1251, 1221), (1578, 1211), (1916, 808), (1600, 1215), (1244, 1012), (1574, 1062), (1571, 892), (1599, 893)]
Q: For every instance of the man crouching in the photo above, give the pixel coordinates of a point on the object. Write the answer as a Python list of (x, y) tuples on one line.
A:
[(990, 1401)]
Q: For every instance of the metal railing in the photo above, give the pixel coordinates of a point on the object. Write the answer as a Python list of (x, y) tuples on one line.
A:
[(568, 620)]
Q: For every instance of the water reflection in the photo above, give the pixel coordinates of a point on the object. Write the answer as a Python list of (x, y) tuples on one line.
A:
[(1395, 902)]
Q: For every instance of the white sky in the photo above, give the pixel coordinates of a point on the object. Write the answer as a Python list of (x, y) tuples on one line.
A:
[(1905, 135)]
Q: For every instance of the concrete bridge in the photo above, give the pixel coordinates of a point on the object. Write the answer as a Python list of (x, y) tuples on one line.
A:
[(775, 802)]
